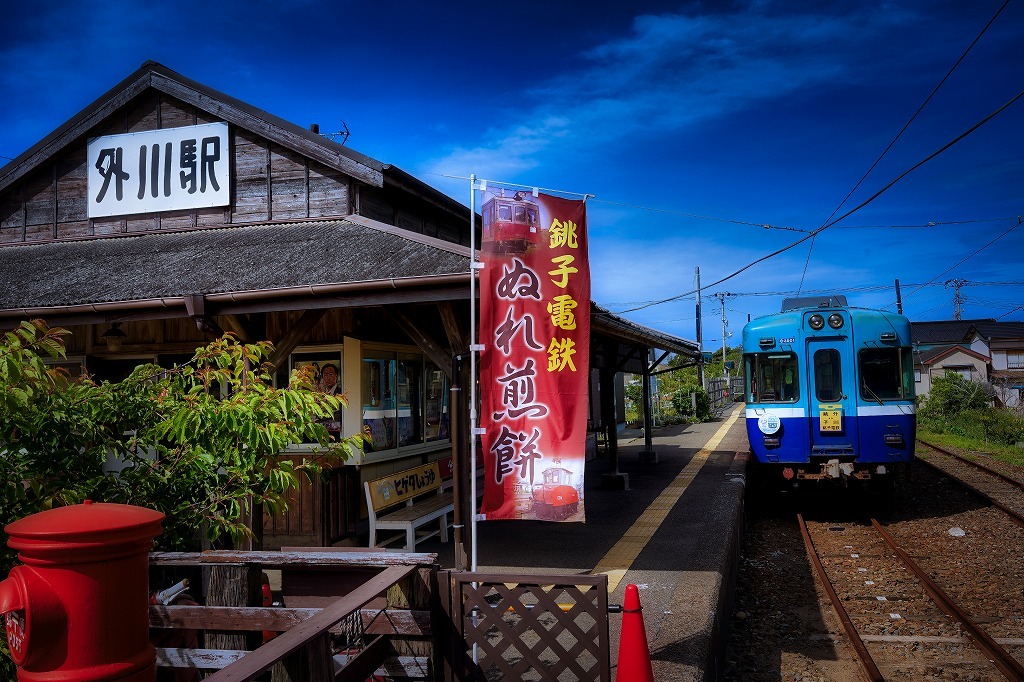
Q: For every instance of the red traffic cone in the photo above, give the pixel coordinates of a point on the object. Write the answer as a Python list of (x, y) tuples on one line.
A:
[(634, 656)]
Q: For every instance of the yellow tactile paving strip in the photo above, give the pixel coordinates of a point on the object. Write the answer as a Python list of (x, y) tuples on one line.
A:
[(620, 558)]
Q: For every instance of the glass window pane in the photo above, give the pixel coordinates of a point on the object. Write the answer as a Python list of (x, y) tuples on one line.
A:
[(504, 213), (773, 377), (910, 375), (379, 408), (410, 409), (435, 403), (880, 376), (521, 214), (828, 381)]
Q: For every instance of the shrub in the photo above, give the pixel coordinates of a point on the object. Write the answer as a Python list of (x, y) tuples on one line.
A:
[(683, 403)]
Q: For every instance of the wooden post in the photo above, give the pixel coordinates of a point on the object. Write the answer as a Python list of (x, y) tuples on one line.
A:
[(414, 592), (233, 586), (460, 480), (311, 663)]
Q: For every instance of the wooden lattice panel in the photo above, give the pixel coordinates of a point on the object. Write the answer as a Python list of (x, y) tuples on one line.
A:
[(530, 627)]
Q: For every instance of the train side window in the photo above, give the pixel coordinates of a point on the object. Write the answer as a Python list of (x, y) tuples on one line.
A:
[(828, 380), (880, 374), (773, 377)]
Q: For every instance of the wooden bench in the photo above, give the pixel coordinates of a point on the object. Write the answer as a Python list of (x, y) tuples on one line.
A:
[(392, 504)]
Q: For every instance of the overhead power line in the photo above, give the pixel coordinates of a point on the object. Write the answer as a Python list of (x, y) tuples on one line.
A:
[(964, 260), (921, 108), (903, 130), (853, 210)]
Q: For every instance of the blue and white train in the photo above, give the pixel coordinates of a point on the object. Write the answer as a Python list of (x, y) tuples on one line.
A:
[(829, 392)]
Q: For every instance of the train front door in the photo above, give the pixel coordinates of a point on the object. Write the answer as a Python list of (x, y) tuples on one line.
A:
[(831, 400)]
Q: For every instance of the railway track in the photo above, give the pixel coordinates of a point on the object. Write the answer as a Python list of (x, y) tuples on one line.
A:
[(1004, 490), (899, 620), (959, 523)]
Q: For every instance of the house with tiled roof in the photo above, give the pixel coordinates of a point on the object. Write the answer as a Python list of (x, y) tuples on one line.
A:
[(1003, 342), (950, 358), (942, 346)]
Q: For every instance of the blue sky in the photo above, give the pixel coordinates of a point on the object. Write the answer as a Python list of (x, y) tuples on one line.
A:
[(693, 124)]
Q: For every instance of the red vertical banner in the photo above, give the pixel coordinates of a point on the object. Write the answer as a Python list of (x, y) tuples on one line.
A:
[(535, 329)]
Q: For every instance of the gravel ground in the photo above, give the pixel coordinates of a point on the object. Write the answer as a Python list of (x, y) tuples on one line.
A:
[(784, 628)]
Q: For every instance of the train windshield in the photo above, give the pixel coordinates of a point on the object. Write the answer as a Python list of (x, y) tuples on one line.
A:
[(772, 377), (886, 374)]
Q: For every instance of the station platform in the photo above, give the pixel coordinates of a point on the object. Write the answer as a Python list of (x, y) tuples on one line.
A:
[(675, 533)]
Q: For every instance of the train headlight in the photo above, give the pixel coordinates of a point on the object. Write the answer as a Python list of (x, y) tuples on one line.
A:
[(835, 320), (816, 322)]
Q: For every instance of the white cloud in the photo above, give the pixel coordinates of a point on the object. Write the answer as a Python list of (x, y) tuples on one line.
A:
[(668, 72)]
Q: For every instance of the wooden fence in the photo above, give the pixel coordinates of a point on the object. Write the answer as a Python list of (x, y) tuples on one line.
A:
[(372, 606), (350, 615)]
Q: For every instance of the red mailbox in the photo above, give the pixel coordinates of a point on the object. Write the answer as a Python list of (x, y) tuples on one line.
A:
[(78, 609)]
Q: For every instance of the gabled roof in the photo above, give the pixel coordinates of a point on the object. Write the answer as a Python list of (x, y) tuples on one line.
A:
[(943, 331), (933, 355), (160, 78), (999, 330)]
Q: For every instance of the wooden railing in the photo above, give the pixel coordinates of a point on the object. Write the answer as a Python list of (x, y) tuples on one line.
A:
[(377, 602)]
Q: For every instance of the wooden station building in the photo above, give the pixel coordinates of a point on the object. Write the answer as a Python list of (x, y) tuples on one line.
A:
[(166, 213)]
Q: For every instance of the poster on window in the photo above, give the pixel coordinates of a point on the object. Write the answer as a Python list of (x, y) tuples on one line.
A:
[(325, 372), (535, 329)]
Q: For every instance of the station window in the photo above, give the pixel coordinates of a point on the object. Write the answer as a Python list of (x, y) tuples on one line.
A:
[(405, 400), (772, 377), (885, 374), (324, 367)]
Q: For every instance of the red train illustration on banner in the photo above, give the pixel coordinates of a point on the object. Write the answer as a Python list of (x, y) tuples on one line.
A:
[(510, 224)]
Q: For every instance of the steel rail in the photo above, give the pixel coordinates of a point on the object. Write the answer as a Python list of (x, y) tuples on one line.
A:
[(998, 474), (1007, 664), (874, 674), (1013, 514)]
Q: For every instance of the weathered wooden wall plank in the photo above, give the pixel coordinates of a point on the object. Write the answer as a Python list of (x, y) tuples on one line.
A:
[(288, 183)]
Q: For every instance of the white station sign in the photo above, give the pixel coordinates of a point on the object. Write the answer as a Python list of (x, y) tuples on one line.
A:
[(159, 170)]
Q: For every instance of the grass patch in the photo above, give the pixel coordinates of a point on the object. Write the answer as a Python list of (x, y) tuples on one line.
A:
[(1007, 453)]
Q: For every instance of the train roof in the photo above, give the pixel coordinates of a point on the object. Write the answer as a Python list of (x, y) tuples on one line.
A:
[(820, 301), (787, 323)]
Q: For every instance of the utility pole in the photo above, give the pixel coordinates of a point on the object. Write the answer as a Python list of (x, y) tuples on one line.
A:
[(700, 341), (958, 299), (721, 296)]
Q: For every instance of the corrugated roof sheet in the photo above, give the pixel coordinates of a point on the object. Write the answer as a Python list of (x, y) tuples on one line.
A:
[(218, 260)]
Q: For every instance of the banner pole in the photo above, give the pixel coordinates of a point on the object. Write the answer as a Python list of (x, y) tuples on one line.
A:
[(472, 368)]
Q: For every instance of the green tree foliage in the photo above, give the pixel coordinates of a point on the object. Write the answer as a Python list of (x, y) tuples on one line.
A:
[(952, 394), (682, 400), (961, 407), (198, 442)]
